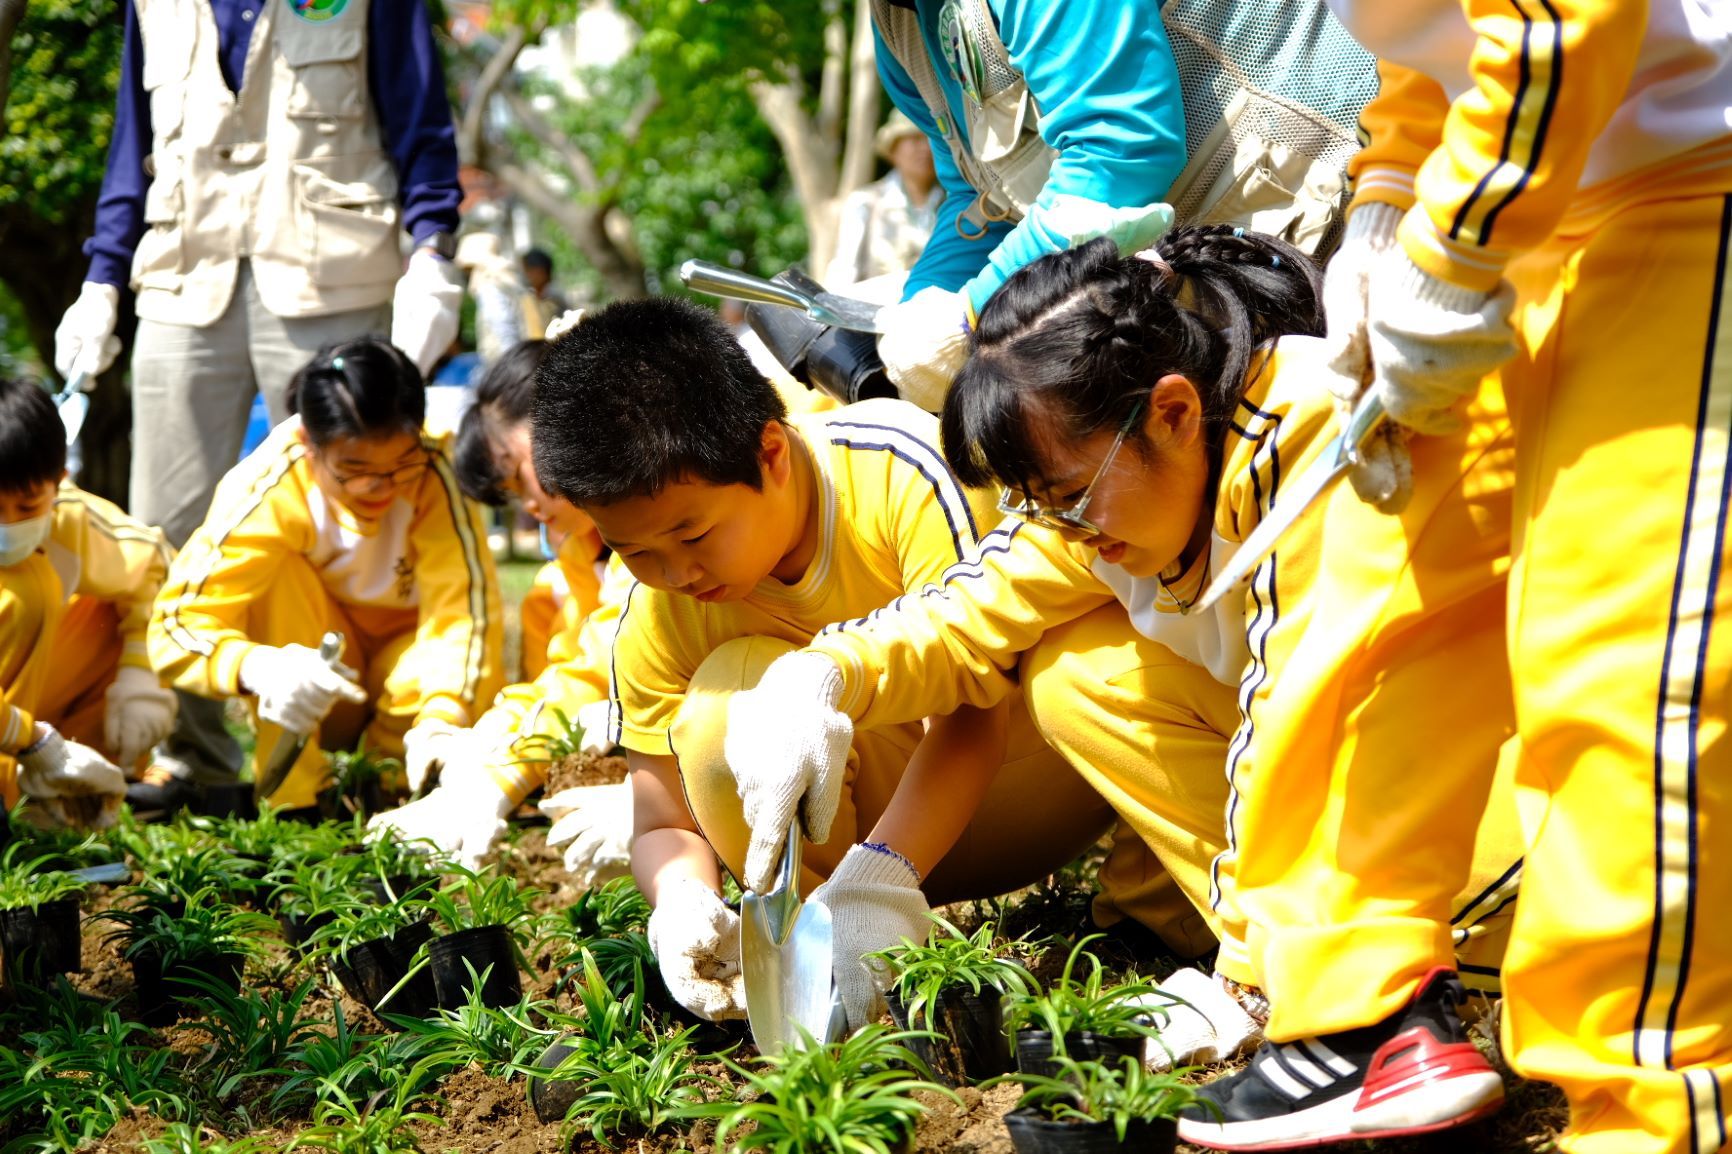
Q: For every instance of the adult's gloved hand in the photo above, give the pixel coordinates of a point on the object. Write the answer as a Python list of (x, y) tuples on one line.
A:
[(435, 743), (1199, 1020), (463, 817), (787, 745), (426, 308), (875, 901), (295, 687), (1383, 475), (924, 343), (696, 939), (76, 785), (85, 341), (594, 823), (138, 712)]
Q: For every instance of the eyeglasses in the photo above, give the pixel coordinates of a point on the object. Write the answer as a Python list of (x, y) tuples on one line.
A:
[(356, 484), (1071, 521)]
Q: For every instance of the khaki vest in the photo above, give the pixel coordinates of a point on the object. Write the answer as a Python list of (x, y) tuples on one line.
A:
[(290, 173)]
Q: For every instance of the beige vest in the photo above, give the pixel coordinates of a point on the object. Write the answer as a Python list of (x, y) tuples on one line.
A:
[(289, 174)]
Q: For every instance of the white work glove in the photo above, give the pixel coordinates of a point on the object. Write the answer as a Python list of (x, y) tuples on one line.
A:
[(1433, 342), (788, 748), (874, 901), (597, 725), (1383, 475), (85, 341), (430, 743), (562, 324), (597, 822), (426, 308), (924, 344), (76, 785), (1209, 1026), (138, 712), (295, 687), (696, 939), (463, 817)]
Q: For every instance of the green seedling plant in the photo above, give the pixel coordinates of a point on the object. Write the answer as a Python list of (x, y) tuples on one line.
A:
[(632, 1092), (56, 847), (612, 909), (1070, 1006), (474, 900), (251, 1033), (208, 926), (357, 777), (177, 876), (352, 1128), (500, 1041), (30, 884), (1097, 1092), (856, 1096), (342, 1065), (565, 741), (950, 961), (181, 1138)]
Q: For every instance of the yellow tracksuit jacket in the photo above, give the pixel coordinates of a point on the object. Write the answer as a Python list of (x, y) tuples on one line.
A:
[(71, 613)]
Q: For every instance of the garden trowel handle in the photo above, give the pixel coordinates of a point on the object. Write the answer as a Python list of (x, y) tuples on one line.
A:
[(783, 900), (721, 281)]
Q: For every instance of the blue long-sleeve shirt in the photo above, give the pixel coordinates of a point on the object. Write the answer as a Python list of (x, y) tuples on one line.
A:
[(1103, 76), (408, 90)]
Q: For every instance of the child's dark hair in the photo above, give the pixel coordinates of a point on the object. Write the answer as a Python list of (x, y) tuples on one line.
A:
[(1084, 334), (32, 439), (538, 258), (360, 388), (501, 401), (645, 393)]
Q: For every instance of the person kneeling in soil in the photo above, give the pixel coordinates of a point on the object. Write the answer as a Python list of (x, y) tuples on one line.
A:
[(501, 760), (1142, 414), (349, 519), (748, 532), (77, 577)]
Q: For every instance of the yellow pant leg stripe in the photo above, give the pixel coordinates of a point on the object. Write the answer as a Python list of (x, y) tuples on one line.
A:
[(1675, 752)]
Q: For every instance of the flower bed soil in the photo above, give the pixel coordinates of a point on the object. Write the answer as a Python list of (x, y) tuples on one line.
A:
[(584, 769)]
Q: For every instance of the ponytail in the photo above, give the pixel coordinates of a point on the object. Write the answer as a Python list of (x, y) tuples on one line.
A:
[(1079, 337), (361, 388)]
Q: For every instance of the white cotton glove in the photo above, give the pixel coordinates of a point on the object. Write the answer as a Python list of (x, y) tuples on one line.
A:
[(434, 743), (596, 821), (138, 712), (1432, 342), (924, 343), (562, 324), (788, 748), (68, 779), (597, 725), (1210, 1025), (1383, 475), (1076, 220), (463, 817), (696, 939), (426, 308), (295, 687), (85, 341), (874, 901)]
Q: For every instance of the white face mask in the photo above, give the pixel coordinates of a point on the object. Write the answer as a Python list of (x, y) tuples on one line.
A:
[(20, 539)]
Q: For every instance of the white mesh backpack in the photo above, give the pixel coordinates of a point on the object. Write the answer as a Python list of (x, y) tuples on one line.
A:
[(1272, 92)]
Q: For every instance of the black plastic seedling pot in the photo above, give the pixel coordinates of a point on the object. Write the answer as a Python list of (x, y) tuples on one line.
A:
[(1034, 1050), (1031, 1133), (552, 1097), (372, 969), (165, 993), (481, 947), (41, 942), (971, 1046)]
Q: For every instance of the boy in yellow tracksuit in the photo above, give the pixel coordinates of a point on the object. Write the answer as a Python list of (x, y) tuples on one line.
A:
[(748, 532), (1540, 225), (1148, 515), (348, 519), (77, 577), (501, 760)]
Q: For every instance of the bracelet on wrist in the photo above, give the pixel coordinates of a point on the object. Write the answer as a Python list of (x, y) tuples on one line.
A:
[(880, 847)]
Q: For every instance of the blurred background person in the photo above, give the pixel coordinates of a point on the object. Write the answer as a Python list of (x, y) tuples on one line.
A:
[(886, 225)]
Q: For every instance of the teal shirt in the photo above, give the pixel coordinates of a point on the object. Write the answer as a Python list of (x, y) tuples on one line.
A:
[(1103, 76)]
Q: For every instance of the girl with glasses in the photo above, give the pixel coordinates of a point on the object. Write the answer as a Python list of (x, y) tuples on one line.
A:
[(1142, 415), (347, 519)]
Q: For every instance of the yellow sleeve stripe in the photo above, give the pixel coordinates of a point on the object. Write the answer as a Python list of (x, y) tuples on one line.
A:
[(615, 708), (475, 652), (1524, 137), (202, 566)]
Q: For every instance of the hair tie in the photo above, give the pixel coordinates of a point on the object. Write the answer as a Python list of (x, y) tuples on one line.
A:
[(1152, 256), (1274, 262), (1238, 232), (337, 363)]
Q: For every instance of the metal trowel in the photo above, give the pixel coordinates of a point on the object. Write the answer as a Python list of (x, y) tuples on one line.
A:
[(785, 954), (825, 308)]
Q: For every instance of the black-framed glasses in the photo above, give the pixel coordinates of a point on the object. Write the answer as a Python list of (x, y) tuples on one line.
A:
[(1071, 521), (357, 484)]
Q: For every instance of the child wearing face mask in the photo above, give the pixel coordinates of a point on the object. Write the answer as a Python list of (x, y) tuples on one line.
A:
[(78, 699), (348, 519)]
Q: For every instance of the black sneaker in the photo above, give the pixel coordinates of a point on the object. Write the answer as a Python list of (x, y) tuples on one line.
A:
[(159, 793), (1408, 1074)]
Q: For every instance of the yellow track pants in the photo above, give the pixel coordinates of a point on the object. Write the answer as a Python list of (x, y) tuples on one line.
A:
[(64, 681)]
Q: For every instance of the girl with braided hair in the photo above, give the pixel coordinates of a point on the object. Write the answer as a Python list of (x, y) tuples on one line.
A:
[(1141, 414)]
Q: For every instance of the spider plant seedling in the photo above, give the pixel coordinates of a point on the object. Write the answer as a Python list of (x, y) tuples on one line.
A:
[(565, 741), (379, 953), (248, 1034), (358, 782), (501, 1041), (953, 985), (609, 910), (490, 925), (39, 923), (629, 1093), (342, 1065), (855, 1095), (209, 936), (1082, 1018), (182, 1138), (1092, 1105), (352, 1128)]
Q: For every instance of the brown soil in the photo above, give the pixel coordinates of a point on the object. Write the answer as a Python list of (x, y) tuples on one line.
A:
[(973, 1126), (584, 769), (485, 1115)]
